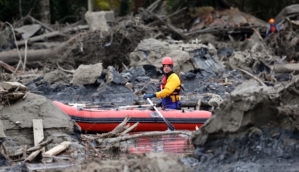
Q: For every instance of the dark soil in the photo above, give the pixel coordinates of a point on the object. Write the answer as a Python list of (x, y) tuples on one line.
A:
[(269, 149)]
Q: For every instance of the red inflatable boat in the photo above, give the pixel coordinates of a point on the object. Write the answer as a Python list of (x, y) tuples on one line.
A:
[(106, 120)]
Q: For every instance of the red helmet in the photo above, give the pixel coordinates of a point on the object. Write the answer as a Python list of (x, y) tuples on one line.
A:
[(167, 61)]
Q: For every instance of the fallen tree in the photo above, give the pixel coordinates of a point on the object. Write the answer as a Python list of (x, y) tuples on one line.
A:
[(285, 68), (12, 57)]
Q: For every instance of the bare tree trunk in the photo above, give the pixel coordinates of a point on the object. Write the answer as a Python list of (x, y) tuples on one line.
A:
[(12, 57), (20, 8), (90, 5), (45, 11)]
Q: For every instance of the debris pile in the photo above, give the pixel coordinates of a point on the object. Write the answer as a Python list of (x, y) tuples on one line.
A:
[(35, 131)]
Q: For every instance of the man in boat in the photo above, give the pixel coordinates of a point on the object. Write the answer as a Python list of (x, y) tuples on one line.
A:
[(170, 87)]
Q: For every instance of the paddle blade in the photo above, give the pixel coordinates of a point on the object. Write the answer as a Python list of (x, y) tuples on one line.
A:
[(169, 125)]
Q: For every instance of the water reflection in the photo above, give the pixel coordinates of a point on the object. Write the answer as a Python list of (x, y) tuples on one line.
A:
[(179, 144)]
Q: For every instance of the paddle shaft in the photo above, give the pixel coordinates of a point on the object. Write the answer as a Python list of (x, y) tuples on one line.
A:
[(169, 125)]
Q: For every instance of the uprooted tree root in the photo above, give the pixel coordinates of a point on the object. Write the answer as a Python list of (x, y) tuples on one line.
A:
[(282, 44), (111, 48)]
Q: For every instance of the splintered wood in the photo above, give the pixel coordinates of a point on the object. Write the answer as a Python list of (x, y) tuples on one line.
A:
[(38, 131)]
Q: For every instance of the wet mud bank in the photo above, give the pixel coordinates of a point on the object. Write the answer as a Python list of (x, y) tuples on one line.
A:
[(266, 149), (255, 130)]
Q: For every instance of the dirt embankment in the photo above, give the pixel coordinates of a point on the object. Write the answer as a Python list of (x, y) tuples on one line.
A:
[(17, 120)]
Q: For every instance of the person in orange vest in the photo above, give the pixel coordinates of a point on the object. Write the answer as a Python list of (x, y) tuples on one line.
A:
[(170, 87), (272, 27)]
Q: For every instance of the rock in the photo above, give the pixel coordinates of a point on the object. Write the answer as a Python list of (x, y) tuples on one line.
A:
[(152, 51), (203, 61), (181, 61), (87, 74), (56, 76), (143, 79), (150, 70), (149, 51), (224, 53), (132, 73), (113, 76)]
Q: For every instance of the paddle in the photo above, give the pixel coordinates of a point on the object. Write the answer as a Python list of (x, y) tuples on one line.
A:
[(169, 125)]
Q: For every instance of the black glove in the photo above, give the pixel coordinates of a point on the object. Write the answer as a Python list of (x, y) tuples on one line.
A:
[(145, 96)]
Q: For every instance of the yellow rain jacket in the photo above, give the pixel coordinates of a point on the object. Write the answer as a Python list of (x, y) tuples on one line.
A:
[(171, 88)]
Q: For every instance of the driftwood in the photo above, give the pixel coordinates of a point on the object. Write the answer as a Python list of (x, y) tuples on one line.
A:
[(129, 129), (9, 68), (39, 22), (18, 153), (24, 151), (120, 128), (169, 26), (57, 149), (64, 70), (254, 77), (39, 146), (14, 86), (32, 155), (55, 166), (12, 57), (48, 156), (15, 95), (52, 34), (153, 6), (285, 68), (248, 73), (112, 141)]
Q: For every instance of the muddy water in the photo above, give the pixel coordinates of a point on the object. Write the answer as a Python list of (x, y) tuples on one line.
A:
[(176, 144)]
